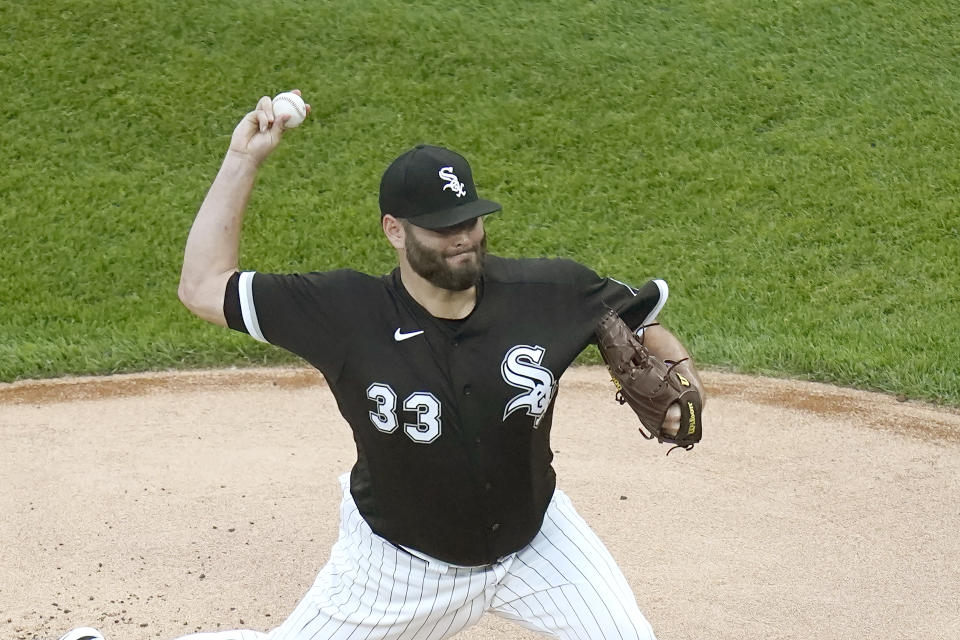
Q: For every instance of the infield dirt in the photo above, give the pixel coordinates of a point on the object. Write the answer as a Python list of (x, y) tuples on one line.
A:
[(156, 505)]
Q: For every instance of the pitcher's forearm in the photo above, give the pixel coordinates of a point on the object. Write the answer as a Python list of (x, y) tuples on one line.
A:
[(212, 251), (214, 241)]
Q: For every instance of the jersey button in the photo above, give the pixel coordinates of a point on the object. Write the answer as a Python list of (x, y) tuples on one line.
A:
[(467, 390), (494, 526), (488, 486)]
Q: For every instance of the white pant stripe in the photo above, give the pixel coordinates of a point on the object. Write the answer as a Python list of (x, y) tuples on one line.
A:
[(392, 587), (550, 609), (425, 632), (389, 632), (421, 581), (598, 551), (461, 608), (528, 618), (574, 574), (613, 578), (361, 604), (569, 547)]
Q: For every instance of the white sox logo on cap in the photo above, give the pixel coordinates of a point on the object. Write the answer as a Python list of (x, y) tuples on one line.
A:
[(433, 188), (453, 182)]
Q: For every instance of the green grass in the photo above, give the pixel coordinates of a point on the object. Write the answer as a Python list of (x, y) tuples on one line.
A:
[(790, 168)]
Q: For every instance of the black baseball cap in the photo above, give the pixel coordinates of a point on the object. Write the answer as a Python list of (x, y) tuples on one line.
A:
[(432, 187)]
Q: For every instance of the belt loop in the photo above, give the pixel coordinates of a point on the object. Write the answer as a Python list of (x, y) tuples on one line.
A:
[(433, 563)]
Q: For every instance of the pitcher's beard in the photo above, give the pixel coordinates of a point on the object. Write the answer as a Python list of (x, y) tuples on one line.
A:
[(433, 266)]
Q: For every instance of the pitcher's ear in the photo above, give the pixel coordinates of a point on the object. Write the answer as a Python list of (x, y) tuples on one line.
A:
[(394, 230)]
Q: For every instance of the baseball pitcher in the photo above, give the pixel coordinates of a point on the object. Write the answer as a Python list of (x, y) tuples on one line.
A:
[(446, 369)]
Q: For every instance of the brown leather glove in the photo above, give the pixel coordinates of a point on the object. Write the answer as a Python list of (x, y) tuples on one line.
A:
[(648, 384)]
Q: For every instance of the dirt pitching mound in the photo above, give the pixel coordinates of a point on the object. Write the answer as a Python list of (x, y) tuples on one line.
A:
[(157, 505)]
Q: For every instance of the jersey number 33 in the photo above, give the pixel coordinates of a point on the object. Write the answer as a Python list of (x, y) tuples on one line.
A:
[(520, 368)]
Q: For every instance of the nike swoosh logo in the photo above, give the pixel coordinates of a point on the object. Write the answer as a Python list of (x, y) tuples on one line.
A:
[(400, 336)]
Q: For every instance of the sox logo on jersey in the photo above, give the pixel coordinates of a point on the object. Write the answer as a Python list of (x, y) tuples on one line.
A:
[(521, 368)]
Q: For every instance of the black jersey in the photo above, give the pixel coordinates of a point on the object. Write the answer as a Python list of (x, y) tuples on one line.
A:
[(451, 419)]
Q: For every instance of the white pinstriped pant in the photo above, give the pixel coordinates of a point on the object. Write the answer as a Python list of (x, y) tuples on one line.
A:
[(563, 584)]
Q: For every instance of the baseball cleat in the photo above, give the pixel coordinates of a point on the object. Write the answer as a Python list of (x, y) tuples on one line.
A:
[(82, 633)]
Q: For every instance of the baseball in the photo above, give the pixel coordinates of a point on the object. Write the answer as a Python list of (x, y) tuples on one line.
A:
[(289, 103)]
